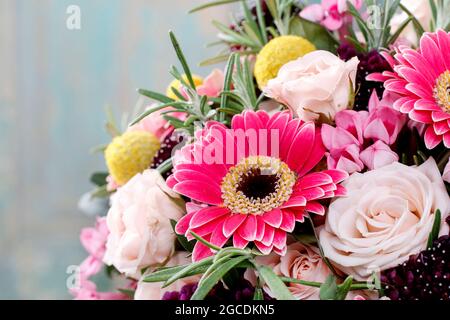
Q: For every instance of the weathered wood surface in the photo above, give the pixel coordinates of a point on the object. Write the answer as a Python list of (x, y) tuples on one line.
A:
[(54, 85)]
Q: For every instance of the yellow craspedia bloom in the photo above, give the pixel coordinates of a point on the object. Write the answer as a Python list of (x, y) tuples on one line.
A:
[(198, 81), (277, 53), (130, 154)]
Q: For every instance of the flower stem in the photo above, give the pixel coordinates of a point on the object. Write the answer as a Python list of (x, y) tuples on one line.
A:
[(355, 286)]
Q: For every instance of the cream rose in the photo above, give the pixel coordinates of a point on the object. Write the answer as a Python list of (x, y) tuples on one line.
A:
[(154, 290), (386, 217), (139, 223), (317, 83)]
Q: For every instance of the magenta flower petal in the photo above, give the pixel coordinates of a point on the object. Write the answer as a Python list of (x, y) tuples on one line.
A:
[(273, 218), (232, 224), (239, 242), (254, 193), (316, 208), (201, 251), (304, 140), (269, 233), (247, 230), (288, 223), (207, 215)]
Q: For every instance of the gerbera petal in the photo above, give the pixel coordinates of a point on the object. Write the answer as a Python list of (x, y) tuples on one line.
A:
[(431, 52), (192, 175), (447, 140), (294, 201), (288, 223), (182, 225), (200, 252), (207, 215), (314, 180), (268, 236), (200, 191), (304, 140), (239, 242), (313, 193), (265, 250), (421, 116), (315, 207), (260, 228), (279, 239), (232, 224), (273, 218), (337, 175), (441, 127), (431, 138), (217, 237), (444, 44), (247, 230)]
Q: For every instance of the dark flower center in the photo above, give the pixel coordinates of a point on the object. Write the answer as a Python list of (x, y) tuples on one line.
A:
[(256, 185)]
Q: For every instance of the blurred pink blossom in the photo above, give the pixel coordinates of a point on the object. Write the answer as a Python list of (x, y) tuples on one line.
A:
[(94, 239), (212, 85), (332, 14)]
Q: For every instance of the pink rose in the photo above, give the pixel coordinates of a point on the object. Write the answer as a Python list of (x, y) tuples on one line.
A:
[(332, 14), (387, 216), (300, 262), (318, 83), (154, 291), (139, 223)]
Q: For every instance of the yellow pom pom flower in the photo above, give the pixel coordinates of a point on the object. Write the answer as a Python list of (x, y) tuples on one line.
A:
[(130, 154), (277, 53), (198, 81)]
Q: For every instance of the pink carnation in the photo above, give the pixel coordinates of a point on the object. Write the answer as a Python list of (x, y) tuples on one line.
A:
[(363, 139)]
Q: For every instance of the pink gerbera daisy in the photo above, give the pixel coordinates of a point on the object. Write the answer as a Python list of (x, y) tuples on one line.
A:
[(252, 180), (422, 79)]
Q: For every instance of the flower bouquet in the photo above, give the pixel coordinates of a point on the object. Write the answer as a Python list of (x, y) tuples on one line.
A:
[(314, 166)]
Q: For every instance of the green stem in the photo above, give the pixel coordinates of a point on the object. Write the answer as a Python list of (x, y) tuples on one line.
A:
[(355, 286)]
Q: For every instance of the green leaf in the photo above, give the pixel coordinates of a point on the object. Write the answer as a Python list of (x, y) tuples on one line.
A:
[(435, 230), (128, 292), (258, 295), (212, 4), (155, 96), (397, 33), (99, 178), (176, 105), (187, 245), (227, 83), (261, 21), (344, 288), (206, 243), (203, 264), (214, 60), (314, 32), (277, 287), (214, 274), (100, 192), (182, 59), (328, 290), (163, 274)]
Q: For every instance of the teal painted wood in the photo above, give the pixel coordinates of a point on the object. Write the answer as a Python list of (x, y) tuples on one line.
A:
[(54, 85)]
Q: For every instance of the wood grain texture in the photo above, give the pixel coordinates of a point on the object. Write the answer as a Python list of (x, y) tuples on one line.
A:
[(54, 85)]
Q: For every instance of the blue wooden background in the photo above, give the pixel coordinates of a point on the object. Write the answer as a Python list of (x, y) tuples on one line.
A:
[(54, 86)]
